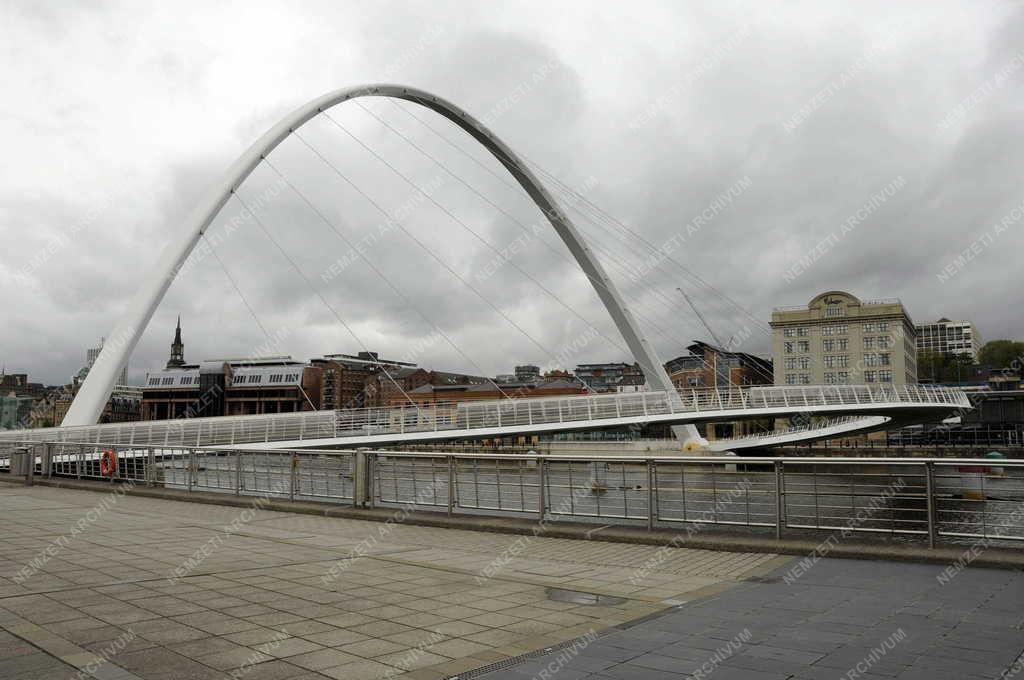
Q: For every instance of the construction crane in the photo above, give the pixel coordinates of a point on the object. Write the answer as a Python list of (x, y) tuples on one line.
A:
[(700, 316)]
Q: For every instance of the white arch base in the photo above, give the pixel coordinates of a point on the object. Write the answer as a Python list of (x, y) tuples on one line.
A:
[(95, 391)]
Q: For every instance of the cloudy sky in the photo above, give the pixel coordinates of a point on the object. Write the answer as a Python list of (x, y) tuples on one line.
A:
[(827, 145)]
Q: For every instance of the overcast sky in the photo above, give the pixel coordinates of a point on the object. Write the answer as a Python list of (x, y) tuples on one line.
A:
[(828, 145)]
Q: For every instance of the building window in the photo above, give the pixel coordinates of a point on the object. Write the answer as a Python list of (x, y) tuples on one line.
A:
[(869, 376), (790, 363), (828, 345), (842, 360), (884, 342), (803, 346), (802, 332), (844, 344), (869, 343), (790, 379), (827, 330), (789, 347), (789, 332), (833, 311), (883, 326), (883, 359), (870, 359), (805, 379), (870, 328), (805, 363), (830, 378), (842, 329), (843, 377), (885, 376)]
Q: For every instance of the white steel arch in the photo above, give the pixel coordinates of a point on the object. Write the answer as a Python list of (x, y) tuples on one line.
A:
[(95, 391)]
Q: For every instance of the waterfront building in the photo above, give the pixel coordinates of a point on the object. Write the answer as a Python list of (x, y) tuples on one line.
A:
[(345, 377), (612, 377), (838, 339), (232, 387), (709, 366), (527, 373), (448, 394)]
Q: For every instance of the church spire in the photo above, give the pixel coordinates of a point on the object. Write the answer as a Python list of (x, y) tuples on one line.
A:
[(177, 359)]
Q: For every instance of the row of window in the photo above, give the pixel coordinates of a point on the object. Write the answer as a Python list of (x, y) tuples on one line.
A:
[(836, 329), (273, 378), (838, 344), (840, 377)]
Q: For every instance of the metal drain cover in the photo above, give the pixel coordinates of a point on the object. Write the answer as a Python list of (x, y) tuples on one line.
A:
[(577, 597)]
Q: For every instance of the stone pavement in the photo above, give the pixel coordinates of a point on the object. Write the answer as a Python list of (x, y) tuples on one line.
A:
[(130, 587), (840, 620)]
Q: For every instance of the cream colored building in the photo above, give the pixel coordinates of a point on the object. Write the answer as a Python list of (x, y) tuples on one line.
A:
[(840, 340)]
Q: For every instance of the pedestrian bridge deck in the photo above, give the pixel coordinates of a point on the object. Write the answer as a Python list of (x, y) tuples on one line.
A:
[(508, 417)]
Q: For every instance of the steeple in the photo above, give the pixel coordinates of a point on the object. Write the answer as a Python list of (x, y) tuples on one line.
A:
[(177, 359)]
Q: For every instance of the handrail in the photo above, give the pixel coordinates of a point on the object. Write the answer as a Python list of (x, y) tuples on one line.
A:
[(563, 412), (638, 457)]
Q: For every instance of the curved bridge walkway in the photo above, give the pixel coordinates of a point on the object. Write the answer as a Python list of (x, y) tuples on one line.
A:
[(486, 419)]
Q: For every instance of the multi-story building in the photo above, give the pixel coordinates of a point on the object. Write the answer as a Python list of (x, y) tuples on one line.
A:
[(527, 373), (710, 366), (232, 387), (613, 377), (93, 353), (391, 386), (345, 377), (838, 339), (949, 337), (428, 394), (123, 406), (15, 411)]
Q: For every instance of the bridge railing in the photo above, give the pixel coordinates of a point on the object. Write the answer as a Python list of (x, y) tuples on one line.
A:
[(481, 415), (920, 499)]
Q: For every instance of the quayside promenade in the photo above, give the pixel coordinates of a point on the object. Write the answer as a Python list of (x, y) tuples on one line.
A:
[(115, 586)]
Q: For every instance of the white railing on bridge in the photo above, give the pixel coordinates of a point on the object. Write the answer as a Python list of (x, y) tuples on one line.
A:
[(477, 416)]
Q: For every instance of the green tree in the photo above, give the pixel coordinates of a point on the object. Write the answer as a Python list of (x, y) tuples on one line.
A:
[(1002, 353)]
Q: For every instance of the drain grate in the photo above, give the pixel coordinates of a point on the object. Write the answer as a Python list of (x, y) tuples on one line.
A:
[(579, 597), (515, 660)]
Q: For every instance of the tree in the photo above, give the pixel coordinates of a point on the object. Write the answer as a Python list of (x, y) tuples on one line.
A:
[(941, 367), (1002, 354)]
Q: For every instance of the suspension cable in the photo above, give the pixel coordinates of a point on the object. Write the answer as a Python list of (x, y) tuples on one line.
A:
[(234, 284), (435, 256), (309, 283), (405, 298)]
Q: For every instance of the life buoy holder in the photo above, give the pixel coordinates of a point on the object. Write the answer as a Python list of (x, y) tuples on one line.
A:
[(108, 463)]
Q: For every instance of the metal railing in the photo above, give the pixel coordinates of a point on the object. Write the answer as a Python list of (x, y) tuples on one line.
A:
[(913, 498), (552, 413)]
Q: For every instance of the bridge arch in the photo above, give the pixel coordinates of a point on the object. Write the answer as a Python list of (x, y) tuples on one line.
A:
[(95, 391)]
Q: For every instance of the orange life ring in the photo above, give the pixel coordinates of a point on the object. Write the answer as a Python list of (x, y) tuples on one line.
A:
[(108, 463)]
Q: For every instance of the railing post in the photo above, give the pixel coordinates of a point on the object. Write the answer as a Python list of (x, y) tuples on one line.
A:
[(48, 461), (780, 498), (451, 485), (929, 479), (151, 466), (541, 481), (30, 460), (78, 462), (292, 473), (191, 468), (651, 511), (238, 474)]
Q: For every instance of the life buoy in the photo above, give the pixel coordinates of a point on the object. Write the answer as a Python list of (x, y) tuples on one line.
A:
[(108, 463)]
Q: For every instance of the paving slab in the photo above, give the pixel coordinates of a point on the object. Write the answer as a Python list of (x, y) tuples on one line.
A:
[(157, 588)]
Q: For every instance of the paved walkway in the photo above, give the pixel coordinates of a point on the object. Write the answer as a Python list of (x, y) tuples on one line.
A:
[(839, 620), (129, 587)]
